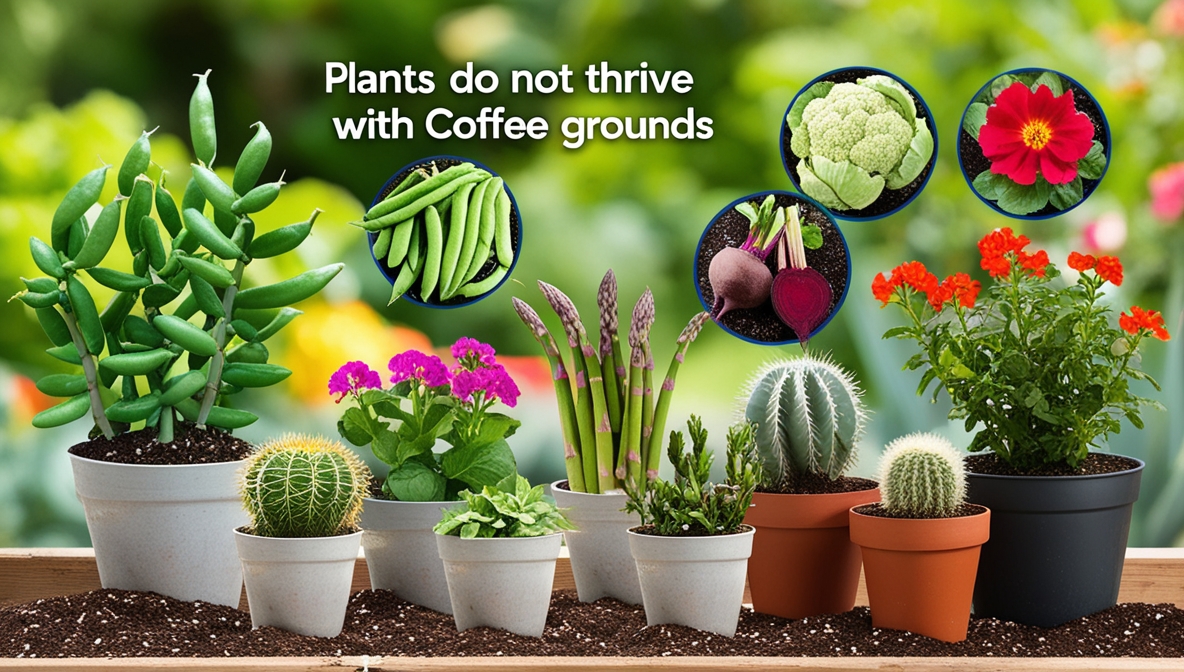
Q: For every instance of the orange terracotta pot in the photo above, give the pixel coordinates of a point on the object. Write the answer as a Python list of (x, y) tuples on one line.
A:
[(803, 562), (920, 572)]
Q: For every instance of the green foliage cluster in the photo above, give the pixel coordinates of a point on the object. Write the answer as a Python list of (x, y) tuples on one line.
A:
[(510, 509)]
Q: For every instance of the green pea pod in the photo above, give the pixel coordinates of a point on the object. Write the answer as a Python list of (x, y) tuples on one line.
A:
[(456, 234), (86, 314), (75, 204), (139, 204), (283, 239), (46, 259), (258, 198), (252, 353), (434, 232), (187, 308), (253, 159), (503, 235), (166, 209), (135, 162), (160, 294), (193, 198), (244, 330), (212, 273), (41, 285), (54, 326), (407, 276), (62, 384), (136, 363), (179, 388), (244, 233), (67, 411), (186, 335), (117, 280), (399, 198), (38, 299), (77, 237), (254, 375), (139, 331), (150, 236), (289, 291), (66, 353), (432, 197), (416, 249), (280, 321), (382, 244), (488, 224), (206, 297), (468, 246), (209, 235), (117, 310), (102, 235), (400, 242), (217, 192), (201, 121), (134, 410), (478, 288), (230, 418)]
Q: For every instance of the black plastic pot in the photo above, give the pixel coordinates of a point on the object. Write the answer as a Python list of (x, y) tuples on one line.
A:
[(1057, 544)]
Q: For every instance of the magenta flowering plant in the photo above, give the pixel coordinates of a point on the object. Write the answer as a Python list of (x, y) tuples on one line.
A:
[(427, 402)]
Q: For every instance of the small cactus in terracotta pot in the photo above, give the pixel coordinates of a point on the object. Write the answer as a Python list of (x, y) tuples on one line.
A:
[(922, 476)]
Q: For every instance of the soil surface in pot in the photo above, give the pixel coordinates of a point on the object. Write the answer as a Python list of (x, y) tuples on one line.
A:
[(877, 510), (1092, 465), (819, 484), (190, 445), (113, 623)]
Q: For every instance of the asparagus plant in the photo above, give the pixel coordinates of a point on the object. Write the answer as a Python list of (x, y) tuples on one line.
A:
[(612, 425), (160, 361)]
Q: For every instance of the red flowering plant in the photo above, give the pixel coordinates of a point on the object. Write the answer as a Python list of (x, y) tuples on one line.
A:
[(1041, 148), (1034, 365), (428, 401)]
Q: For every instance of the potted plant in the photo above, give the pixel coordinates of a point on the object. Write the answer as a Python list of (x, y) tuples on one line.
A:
[(425, 402), (809, 418), (1041, 375), (612, 431), (692, 546), (499, 550), (920, 546), (182, 334), (304, 495)]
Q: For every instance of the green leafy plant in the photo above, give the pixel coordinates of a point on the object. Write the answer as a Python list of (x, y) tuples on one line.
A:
[(303, 486), (853, 140), (922, 476), (427, 402), (511, 509), (690, 505), (612, 427), (166, 356)]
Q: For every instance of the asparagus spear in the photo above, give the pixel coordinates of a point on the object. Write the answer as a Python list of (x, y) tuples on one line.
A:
[(688, 335), (639, 329), (606, 298)]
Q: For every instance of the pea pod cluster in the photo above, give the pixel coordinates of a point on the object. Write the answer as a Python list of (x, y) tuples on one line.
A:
[(183, 332), (447, 233)]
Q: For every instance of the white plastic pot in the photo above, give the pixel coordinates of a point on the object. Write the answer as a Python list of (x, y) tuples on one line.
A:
[(401, 550), (601, 561), (164, 528), (500, 583), (693, 581), (300, 585)]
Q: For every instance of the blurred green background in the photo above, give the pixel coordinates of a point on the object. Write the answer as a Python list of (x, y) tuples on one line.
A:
[(79, 81)]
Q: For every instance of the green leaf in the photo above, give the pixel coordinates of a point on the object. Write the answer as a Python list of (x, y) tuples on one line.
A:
[(748, 211), (1065, 196), (1024, 199), (915, 159), (1093, 164), (1050, 79), (895, 92), (413, 482), (355, 427), (817, 189), (387, 446), (479, 465), (975, 117), (1001, 82), (794, 117), (852, 185), (989, 185), (811, 236)]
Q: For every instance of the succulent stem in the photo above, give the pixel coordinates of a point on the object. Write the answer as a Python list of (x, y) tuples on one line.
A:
[(214, 382), (92, 377)]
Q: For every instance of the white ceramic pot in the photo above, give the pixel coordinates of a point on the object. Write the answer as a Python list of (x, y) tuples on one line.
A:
[(300, 585), (500, 583), (401, 550), (601, 561), (693, 581), (164, 528)]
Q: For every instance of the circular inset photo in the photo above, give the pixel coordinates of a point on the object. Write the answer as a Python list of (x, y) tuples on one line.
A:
[(773, 268), (1033, 144), (860, 141), (445, 232)]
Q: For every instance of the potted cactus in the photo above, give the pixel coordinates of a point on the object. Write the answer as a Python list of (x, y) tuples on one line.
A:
[(499, 550), (612, 430), (921, 545), (182, 334), (426, 401), (303, 495), (692, 547), (809, 418)]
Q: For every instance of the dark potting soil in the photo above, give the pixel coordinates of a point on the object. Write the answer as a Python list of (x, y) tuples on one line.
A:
[(889, 199), (730, 229), (1093, 464), (489, 267), (190, 445), (117, 624), (652, 530), (820, 484), (974, 163), (879, 511)]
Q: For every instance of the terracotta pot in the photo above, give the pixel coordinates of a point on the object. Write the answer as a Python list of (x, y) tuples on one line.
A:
[(920, 572), (803, 562)]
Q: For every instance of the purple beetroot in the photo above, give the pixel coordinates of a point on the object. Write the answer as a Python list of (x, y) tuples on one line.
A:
[(738, 275), (801, 296)]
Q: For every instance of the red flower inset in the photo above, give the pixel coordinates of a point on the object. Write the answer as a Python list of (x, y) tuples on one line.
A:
[(1030, 132), (1139, 319)]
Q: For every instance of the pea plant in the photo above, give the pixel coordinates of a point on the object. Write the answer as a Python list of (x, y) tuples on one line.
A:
[(182, 333)]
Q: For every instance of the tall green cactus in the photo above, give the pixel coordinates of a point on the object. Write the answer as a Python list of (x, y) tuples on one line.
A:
[(303, 486), (809, 418), (921, 476)]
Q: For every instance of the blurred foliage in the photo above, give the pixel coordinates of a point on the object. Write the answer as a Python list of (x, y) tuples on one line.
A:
[(81, 79)]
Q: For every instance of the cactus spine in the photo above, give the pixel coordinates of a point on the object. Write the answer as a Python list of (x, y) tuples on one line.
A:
[(303, 486), (809, 418), (921, 476)]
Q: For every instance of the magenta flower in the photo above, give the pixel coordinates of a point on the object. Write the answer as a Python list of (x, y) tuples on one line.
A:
[(352, 378), (470, 352), (492, 381), (1167, 190), (414, 364)]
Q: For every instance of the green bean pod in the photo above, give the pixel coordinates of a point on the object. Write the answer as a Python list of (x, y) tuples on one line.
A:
[(153, 244), (400, 242), (488, 224), (119, 281), (102, 235), (117, 310), (382, 244), (38, 299), (283, 239), (186, 335), (62, 384), (134, 410), (253, 160), (416, 250), (139, 331), (254, 375), (207, 299), (201, 121), (86, 314), (403, 281), (166, 209), (258, 198), (45, 258), (502, 235), (288, 291), (75, 203), (456, 234), (401, 198), (65, 412), (478, 288), (435, 196), (135, 162), (136, 363), (209, 235), (468, 246), (179, 388), (434, 232), (413, 178), (213, 188)]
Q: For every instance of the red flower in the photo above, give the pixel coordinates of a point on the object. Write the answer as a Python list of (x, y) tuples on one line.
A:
[(995, 245), (1028, 132), (882, 289), (1139, 319), (1081, 262), (1037, 263), (957, 287), (913, 274), (1110, 269)]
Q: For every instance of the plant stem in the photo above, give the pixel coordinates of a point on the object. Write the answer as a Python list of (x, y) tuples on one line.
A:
[(165, 432), (606, 299), (647, 410), (662, 410), (214, 380), (92, 378)]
